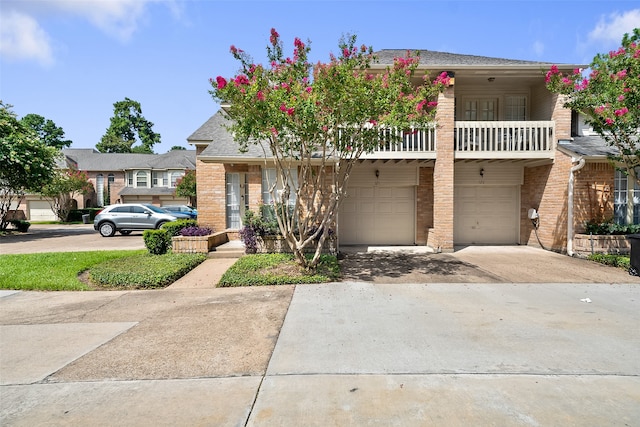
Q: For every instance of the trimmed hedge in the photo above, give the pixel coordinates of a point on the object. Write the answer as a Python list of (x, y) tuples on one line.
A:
[(144, 271), (157, 242), (619, 261)]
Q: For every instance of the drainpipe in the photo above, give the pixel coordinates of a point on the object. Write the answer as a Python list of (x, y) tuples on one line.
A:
[(575, 168)]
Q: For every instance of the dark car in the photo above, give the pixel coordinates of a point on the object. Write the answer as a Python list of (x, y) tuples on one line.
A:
[(127, 217), (183, 209)]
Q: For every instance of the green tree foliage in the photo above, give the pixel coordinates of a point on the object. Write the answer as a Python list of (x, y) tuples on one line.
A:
[(26, 163), (63, 188), (177, 147), (46, 130), (128, 127), (609, 98), (186, 187), (314, 123)]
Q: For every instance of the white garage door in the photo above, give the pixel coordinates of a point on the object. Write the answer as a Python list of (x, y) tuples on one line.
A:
[(378, 216), (486, 215), (40, 210)]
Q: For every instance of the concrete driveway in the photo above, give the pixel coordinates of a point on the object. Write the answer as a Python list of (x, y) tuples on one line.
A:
[(470, 338)]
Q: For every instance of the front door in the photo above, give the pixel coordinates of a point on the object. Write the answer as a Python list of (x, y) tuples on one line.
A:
[(237, 199)]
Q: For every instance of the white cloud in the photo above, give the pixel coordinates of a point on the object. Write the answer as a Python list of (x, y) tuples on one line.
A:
[(538, 48), (22, 38), (611, 28)]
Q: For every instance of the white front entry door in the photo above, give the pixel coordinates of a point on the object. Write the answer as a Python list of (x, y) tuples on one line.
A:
[(485, 215)]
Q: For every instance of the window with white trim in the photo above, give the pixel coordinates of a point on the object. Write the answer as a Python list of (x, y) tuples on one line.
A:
[(159, 179), (515, 107), (175, 176), (269, 178), (141, 179), (626, 199)]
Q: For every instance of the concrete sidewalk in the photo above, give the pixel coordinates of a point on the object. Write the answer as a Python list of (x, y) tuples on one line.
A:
[(349, 353)]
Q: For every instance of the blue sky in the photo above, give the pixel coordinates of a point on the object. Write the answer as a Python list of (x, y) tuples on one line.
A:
[(70, 60)]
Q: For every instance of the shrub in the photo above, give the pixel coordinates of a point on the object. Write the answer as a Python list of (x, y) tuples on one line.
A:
[(612, 260), (610, 228), (21, 225), (145, 270), (195, 231), (173, 228), (157, 242)]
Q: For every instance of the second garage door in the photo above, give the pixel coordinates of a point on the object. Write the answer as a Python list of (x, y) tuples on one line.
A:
[(378, 216), (486, 215)]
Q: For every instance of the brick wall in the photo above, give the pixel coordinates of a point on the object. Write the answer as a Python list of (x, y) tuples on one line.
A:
[(593, 194), (211, 195), (443, 174), (424, 205)]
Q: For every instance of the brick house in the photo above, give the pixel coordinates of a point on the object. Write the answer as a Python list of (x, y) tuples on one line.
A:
[(120, 177), (503, 145)]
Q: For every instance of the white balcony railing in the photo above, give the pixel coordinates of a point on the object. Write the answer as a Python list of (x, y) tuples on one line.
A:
[(411, 143), (505, 139)]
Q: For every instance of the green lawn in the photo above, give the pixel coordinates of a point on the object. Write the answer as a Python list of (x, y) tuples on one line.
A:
[(56, 271)]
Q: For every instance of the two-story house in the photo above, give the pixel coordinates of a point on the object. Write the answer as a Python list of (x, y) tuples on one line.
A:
[(503, 145), (121, 178)]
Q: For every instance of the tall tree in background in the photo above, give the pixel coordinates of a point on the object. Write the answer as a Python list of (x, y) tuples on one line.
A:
[(47, 131), (314, 123), (128, 127), (26, 163), (609, 98)]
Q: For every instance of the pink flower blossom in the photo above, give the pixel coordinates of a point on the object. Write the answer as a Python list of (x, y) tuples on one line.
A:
[(325, 128), (622, 74), (621, 112), (260, 95), (274, 131), (609, 121), (221, 82), (432, 104), (308, 89), (283, 107), (233, 49), (373, 122), (345, 52), (420, 105), (274, 36), (241, 80), (290, 111), (621, 98)]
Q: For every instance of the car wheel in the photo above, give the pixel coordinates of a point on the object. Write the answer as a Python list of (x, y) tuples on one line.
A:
[(125, 232), (160, 224), (107, 229)]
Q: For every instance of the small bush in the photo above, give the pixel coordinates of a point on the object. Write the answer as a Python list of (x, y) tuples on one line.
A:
[(157, 242), (144, 271), (610, 228), (195, 231), (21, 225), (619, 261), (173, 228)]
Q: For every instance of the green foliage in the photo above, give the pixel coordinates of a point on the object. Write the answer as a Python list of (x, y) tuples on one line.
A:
[(619, 261), (128, 127), (47, 131), (52, 271), (609, 98), (26, 163), (173, 228), (610, 227), (278, 269), (186, 186), (157, 242), (20, 225), (61, 190), (317, 122), (144, 271)]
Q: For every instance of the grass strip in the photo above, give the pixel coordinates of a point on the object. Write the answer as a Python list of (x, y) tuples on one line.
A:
[(53, 271), (278, 269)]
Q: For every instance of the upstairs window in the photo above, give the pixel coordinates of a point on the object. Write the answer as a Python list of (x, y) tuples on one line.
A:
[(175, 176), (515, 107), (141, 179)]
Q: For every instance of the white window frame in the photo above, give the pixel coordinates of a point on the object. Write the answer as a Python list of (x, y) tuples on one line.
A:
[(626, 199), (142, 174), (175, 176)]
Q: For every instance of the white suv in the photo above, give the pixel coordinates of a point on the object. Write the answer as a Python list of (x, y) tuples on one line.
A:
[(127, 217)]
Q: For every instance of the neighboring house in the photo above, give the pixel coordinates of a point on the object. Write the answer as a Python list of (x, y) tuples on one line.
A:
[(120, 178), (504, 145)]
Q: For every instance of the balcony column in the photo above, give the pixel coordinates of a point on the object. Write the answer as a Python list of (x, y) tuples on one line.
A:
[(443, 174)]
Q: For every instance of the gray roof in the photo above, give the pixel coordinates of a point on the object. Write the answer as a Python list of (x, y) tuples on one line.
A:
[(88, 159), (430, 58), (214, 130), (588, 146)]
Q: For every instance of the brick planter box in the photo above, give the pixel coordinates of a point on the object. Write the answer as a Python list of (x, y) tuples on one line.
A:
[(197, 244), (602, 244)]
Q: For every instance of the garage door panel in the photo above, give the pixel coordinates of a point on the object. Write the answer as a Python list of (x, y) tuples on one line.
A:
[(378, 215), (486, 215)]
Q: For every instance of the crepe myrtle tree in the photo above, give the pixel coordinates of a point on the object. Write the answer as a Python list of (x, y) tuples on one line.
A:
[(314, 122), (609, 97), (62, 189)]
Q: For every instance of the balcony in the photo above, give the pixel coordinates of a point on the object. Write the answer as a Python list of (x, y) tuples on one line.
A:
[(504, 140), (473, 140)]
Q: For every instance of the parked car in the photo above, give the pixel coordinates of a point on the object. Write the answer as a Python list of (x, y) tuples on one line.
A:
[(189, 210), (127, 217), (177, 214)]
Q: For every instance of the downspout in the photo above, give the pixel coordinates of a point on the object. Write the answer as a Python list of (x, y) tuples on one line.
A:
[(575, 168)]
